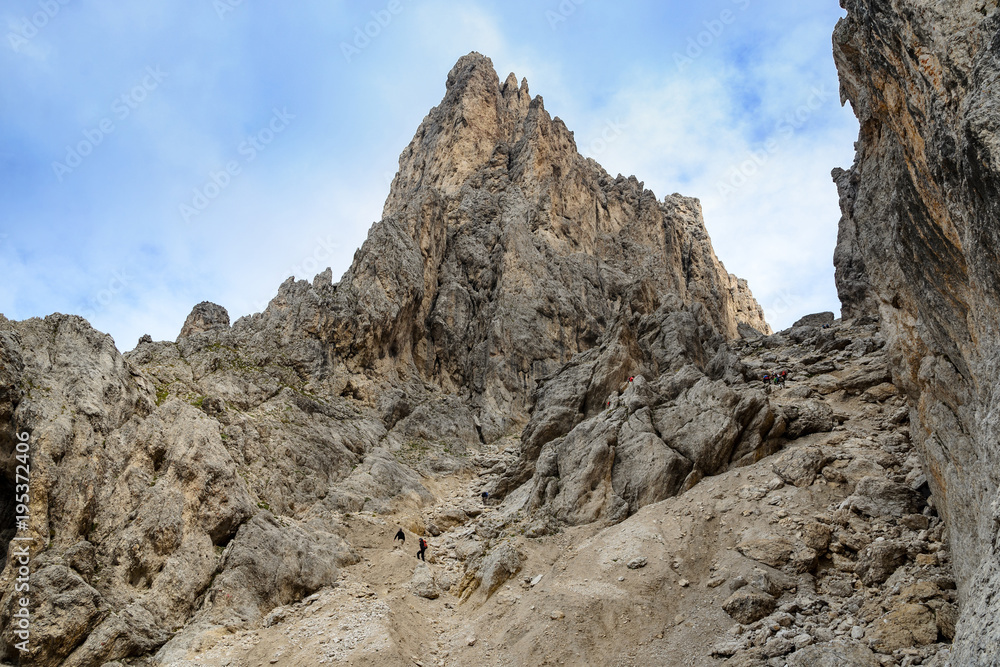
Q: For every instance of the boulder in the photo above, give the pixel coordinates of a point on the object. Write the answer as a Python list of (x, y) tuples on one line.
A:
[(879, 560), (500, 564), (905, 626), (749, 604), (877, 496), (423, 583), (67, 608), (800, 465), (774, 552), (808, 416), (814, 320), (837, 653)]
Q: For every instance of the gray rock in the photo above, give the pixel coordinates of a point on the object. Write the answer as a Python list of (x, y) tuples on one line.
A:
[(67, 608), (916, 251), (206, 316), (637, 563), (838, 653), (500, 564), (423, 583), (814, 320), (749, 604), (879, 497), (270, 564), (800, 466), (82, 557), (879, 560), (808, 416)]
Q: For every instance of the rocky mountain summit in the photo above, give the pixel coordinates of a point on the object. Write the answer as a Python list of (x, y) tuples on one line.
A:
[(522, 325), (194, 485)]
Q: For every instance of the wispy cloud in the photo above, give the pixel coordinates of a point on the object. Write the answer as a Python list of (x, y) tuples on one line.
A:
[(109, 239)]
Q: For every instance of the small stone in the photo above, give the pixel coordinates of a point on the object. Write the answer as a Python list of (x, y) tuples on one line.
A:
[(470, 640), (557, 615), (727, 649), (857, 632), (637, 563)]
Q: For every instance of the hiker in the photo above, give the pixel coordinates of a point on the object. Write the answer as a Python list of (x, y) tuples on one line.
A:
[(782, 377), (401, 536), (631, 378), (486, 496), (423, 548)]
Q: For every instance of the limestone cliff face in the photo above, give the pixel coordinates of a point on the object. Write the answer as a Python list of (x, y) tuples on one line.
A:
[(502, 252), (197, 484), (918, 248)]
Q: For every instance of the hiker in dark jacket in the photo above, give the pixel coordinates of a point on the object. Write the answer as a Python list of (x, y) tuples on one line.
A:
[(401, 536), (423, 548)]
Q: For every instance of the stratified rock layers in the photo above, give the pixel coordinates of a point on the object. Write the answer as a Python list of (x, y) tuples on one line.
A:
[(196, 484), (918, 248), (502, 252)]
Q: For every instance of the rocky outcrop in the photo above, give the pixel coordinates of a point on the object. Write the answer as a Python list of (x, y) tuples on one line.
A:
[(197, 484), (501, 253), (137, 507), (918, 249), (206, 316)]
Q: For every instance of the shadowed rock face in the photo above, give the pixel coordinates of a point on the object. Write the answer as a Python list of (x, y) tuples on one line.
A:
[(918, 248)]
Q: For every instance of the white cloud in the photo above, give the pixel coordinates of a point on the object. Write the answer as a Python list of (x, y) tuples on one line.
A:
[(763, 175)]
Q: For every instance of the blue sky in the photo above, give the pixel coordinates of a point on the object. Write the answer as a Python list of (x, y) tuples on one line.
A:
[(159, 153)]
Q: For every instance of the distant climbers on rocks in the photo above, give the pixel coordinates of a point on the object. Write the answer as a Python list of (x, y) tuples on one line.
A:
[(777, 379)]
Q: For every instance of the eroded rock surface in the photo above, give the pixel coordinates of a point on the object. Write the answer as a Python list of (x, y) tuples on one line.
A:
[(918, 250), (211, 476)]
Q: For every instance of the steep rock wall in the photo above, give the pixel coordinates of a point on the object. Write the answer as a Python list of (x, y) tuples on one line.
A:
[(918, 248), (502, 252)]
